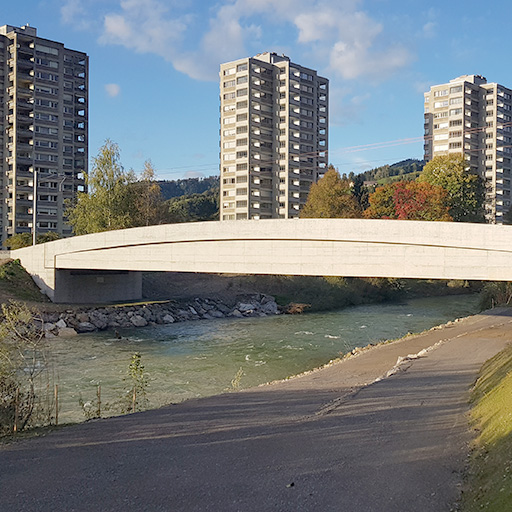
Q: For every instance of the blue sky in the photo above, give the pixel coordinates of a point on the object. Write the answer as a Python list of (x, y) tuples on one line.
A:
[(154, 67)]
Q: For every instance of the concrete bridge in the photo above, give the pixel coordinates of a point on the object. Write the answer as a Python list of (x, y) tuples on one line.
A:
[(105, 267)]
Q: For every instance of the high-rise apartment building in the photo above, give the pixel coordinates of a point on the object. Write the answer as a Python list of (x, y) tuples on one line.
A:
[(43, 130), (473, 117), (273, 136)]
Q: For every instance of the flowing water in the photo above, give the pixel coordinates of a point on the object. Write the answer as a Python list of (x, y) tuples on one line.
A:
[(193, 359)]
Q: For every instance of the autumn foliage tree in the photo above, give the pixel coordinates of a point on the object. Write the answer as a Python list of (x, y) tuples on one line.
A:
[(331, 197), (409, 200), (465, 190)]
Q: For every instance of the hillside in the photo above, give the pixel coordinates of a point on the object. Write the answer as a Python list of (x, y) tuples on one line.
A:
[(386, 173), (187, 186)]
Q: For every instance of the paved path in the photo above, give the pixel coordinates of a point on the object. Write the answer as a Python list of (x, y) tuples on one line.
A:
[(320, 442)]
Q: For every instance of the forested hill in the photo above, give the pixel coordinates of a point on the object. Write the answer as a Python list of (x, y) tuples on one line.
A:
[(399, 169), (187, 186)]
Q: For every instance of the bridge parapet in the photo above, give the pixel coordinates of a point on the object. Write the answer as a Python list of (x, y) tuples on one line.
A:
[(338, 247)]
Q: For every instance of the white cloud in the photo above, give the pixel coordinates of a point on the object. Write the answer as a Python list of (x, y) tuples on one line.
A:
[(145, 26), (113, 90), (73, 12), (337, 35)]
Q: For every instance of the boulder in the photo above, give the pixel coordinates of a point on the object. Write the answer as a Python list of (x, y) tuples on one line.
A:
[(61, 324), (246, 307), (85, 327), (168, 319), (67, 331), (270, 308), (48, 326), (138, 321)]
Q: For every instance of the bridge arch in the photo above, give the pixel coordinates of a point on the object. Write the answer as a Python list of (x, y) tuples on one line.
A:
[(105, 266)]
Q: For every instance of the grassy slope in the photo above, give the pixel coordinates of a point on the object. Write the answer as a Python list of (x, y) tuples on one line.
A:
[(16, 283), (489, 485)]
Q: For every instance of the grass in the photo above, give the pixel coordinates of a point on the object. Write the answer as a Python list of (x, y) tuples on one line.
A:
[(489, 479), (16, 283)]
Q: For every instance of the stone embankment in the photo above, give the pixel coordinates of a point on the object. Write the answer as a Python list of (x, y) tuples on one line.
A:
[(83, 320)]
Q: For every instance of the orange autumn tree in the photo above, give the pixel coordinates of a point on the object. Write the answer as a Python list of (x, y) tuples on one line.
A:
[(409, 200)]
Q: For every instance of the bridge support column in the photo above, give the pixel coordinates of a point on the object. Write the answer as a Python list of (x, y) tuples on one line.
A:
[(96, 286)]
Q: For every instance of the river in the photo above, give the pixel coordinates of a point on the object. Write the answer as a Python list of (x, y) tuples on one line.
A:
[(194, 359)]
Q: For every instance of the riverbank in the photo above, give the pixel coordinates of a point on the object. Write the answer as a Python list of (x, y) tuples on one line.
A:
[(328, 440)]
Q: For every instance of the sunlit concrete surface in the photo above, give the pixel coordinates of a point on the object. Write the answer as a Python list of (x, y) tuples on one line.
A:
[(330, 247)]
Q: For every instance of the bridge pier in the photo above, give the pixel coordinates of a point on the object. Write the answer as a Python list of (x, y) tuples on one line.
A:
[(96, 286)]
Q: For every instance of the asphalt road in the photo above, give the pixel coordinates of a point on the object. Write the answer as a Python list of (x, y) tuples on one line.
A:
[(326, 441)]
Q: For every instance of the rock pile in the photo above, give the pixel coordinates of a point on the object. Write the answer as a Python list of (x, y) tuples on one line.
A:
[(98, 319)]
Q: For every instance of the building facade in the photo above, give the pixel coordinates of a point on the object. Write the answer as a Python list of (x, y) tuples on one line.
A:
[(43, 130), (273, 136), (470, 116)]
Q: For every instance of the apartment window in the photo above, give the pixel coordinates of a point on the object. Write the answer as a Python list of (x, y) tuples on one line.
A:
[(229, 71), (46, 158), (241, 191), (229, 120), (46, 144), (229, 96), (455, 145), (229, 168), (47, 63), (455, 101), (46, 90), (458, 133), (241, 154), (456, 89), (228, 133), (229, 108), (455, 111), (242, 104), (241, 92), (46, 130), (241, 204), (441, 104), (230, 144), (444, 92), (241, 117), (241, 129), (47, 49), (241, 80), (229, 156), (456, 122), (47, 76), (46, 103), (229, 83), (241, 67), (489, 145), (241, 142), (489, 113), (241, 167)]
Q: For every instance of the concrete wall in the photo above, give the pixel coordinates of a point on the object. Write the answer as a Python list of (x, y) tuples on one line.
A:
[(343, 247)]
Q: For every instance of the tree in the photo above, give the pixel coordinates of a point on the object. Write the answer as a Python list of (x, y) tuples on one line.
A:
[(466, 191), (109, 203), (331, 197), (420, 201), (25, 239), (382, 204), (24, 371), (194, 208), (409, 200), (148, 198)]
